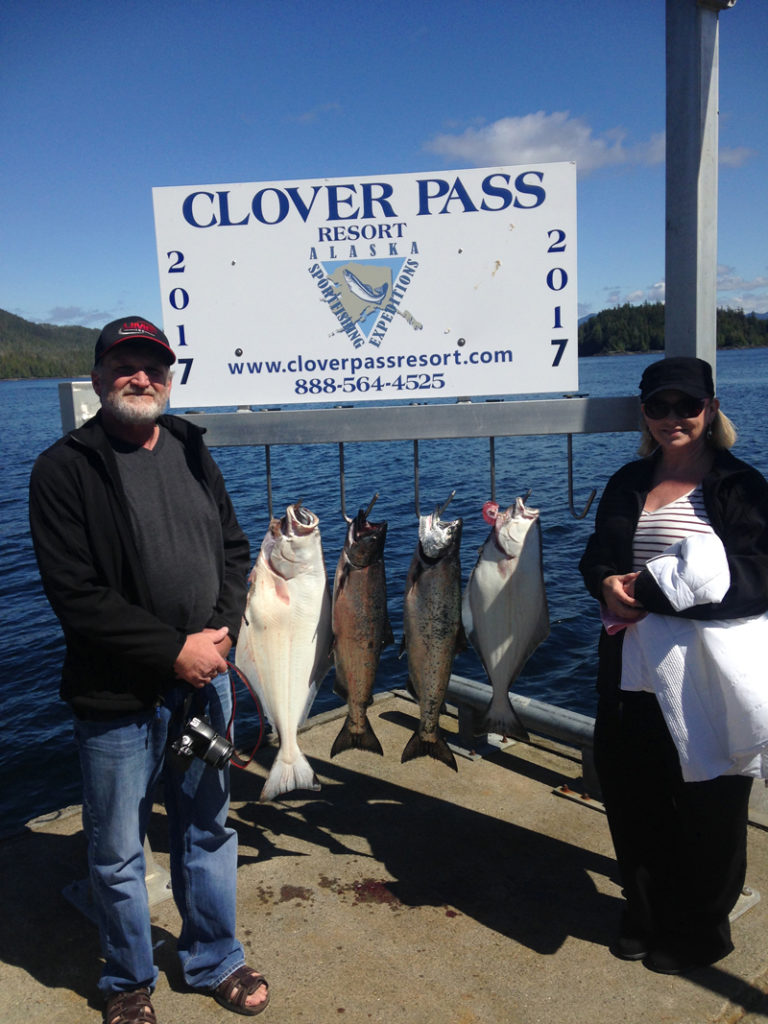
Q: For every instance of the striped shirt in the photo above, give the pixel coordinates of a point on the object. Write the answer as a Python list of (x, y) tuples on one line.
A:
[(656, 531)]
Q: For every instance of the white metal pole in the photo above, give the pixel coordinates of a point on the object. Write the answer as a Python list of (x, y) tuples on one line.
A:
[(691, 177)]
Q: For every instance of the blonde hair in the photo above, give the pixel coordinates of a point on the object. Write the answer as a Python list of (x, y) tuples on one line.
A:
[(720, 434)]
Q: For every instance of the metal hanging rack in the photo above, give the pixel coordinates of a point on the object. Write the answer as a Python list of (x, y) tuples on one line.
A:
[(492, 469)]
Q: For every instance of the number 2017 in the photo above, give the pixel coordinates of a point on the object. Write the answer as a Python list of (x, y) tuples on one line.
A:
[(557, 279)]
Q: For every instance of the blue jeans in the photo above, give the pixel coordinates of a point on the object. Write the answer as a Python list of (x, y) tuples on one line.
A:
[(122, 760)]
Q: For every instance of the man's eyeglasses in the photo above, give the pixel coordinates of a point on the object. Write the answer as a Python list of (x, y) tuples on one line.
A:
[(686, 408), (156, 374)]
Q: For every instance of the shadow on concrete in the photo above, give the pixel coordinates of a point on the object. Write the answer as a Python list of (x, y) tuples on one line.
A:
[(525, 885), (419, 850), (39, 930)]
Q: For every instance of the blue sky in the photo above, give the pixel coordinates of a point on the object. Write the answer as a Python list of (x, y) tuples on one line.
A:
[(99, 102)]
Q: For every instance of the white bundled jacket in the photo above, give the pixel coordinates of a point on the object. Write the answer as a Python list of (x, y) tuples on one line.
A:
[(708, 676)]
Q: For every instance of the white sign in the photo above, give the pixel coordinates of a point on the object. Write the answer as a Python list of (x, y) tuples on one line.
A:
[(406, 286)]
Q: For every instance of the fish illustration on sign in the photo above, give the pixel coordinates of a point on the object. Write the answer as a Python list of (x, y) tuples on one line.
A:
[(365, 295), (284, 646), (504, 609), (364, 291)]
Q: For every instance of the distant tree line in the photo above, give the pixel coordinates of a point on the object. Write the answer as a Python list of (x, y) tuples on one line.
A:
[(45, 350), (628, 328)]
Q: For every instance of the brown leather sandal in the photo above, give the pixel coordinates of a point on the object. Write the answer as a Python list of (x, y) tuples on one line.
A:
[(130, 1008), (234, 990)]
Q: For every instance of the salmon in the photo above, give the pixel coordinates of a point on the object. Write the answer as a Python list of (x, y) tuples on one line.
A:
[(361, 628), (432, 629)]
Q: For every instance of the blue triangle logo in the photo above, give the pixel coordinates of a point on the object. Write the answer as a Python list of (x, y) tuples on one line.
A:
[(364, 287)]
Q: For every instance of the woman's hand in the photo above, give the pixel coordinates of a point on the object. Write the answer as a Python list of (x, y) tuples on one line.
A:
[(619, 597)]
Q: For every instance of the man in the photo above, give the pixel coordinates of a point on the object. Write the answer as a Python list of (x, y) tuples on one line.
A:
[(145, 565)]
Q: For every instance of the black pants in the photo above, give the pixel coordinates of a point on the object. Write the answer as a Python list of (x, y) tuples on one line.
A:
[(681, 846)]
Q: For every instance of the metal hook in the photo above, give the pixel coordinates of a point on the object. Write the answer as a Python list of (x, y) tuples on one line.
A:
[(374, 499), (269, 480), (416, 478), (342, 488), (367, 512), (341, 482), (439, 511), (590, 499), (492, 446)]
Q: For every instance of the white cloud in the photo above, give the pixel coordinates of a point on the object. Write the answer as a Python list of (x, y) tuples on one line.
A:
[(728, 281), (310, 116), (544, 138), (735, 157), (65, 316), (754, 302), (734, 292), (616, 296)]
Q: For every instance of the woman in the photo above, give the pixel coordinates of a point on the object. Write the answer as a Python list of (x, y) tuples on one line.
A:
[(680, 845)]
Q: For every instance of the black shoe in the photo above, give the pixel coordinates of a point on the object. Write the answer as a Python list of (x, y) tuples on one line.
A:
[(633, 941), (629, 947), (664, 961)]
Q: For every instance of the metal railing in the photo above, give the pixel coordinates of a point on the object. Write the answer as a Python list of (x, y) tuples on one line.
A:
[(569, 415), (471, 698), (418, 422)]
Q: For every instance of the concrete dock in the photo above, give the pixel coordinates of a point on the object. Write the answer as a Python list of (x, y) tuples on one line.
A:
[(397, 893)]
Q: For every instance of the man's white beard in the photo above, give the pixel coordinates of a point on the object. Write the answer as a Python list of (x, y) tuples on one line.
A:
[(128, 411)]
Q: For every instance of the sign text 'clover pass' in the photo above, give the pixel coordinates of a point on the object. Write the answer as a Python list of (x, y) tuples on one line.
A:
[(405, 286)]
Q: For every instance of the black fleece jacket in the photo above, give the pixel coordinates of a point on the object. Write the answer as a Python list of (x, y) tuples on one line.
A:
[(119, 655), (736, 500)]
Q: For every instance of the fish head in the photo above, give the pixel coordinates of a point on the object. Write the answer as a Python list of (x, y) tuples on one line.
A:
[(438, 538), (511, 527), (292, 544), (365, 541), (298, 521)]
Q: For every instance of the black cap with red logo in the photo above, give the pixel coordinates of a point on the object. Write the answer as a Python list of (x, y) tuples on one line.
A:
[(133, 328)]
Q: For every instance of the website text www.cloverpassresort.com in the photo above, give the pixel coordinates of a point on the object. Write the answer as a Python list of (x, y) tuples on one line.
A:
[(359, 374)]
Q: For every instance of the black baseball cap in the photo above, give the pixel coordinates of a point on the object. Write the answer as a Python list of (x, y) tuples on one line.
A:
[(133, 328), (678, 373)]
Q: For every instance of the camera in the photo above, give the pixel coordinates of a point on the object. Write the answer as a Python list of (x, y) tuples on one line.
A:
[(198, 739)]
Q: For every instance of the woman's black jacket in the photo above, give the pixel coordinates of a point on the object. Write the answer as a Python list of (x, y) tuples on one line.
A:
[(736, 500)]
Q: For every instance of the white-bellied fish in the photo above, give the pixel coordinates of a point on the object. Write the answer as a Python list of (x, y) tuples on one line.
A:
[(432, 631), (364, 291), (284, 647), (504, 608), (360, 628)]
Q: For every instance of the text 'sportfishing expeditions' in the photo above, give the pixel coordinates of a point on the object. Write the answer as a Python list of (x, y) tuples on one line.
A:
[(406, 286)]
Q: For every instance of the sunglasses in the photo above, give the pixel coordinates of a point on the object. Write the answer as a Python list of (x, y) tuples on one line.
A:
[(686, 408)]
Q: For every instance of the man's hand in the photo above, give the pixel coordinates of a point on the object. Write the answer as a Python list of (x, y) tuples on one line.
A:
[(201, 658), (224, 645)]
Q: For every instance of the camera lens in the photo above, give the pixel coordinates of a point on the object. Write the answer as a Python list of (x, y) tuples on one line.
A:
[(209, 746), (218, 752)]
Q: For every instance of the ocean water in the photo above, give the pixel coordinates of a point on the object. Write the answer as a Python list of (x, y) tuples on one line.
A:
[(38, 761)]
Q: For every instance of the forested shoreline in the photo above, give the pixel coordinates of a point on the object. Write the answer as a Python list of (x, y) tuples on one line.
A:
[(44, 350), (31, 350), (625, 329)]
